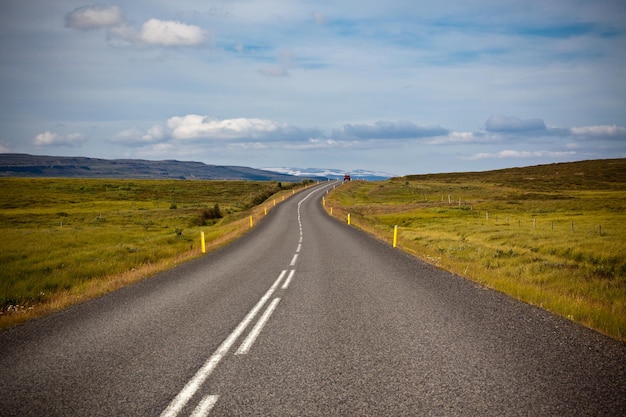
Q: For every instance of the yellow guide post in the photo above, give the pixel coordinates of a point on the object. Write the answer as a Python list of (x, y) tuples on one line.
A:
[(202, 242), (348, 219), (250, 221), (395, 236)]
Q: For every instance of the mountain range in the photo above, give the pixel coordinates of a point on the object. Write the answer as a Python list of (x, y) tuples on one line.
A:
[(24, 165)]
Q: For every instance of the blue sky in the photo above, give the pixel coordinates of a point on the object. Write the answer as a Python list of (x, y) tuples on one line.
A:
[(400, 86)]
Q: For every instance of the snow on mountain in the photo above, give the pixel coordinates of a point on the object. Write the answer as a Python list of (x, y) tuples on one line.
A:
[(332, 173)]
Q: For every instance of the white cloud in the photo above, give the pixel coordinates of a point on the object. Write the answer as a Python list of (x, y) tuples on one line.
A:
[(497, 123), (195, 126), (48, 138), (171, 33), (251, 132), (506, 154), (153, 32), (602, 130), (94, 17)]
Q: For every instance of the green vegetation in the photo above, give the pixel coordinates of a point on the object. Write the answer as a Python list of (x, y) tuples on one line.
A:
[(553, 236), (66, 240)]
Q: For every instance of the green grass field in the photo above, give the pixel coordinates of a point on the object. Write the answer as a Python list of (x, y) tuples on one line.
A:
[(553, 236), (66, 240)]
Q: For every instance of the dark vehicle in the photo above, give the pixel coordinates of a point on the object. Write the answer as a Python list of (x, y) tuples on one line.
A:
[(346, 177)]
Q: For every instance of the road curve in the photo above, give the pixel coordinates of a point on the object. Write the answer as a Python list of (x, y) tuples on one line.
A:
[(307, 316)]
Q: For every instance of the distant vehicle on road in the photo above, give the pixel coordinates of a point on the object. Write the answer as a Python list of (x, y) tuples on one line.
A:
[(346, 177)]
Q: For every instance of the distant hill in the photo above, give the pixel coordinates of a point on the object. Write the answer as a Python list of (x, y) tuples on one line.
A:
[(596, 174), (23, 165)]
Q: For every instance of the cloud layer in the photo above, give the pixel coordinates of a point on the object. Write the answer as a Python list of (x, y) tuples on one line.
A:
[(503, 138)]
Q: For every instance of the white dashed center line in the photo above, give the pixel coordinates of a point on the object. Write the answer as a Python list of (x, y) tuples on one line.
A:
[(288, 280), (256, 330), (179, 402), (193, 385)]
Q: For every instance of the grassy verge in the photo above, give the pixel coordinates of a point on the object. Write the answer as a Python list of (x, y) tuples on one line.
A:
[(552, 236), (67, 240)]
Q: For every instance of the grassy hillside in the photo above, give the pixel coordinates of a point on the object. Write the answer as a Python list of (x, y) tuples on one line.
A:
[(66, 240), (552, 235)]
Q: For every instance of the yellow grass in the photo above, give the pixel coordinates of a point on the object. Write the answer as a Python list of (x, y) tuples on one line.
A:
[(67, 241)]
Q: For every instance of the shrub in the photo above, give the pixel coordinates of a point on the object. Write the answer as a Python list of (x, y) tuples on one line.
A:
[(213, 213)]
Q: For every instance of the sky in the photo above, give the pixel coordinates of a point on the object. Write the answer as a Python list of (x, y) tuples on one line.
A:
[(398, 86)]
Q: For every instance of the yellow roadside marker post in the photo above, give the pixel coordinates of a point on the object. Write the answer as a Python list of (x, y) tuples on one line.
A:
[(395, 236)]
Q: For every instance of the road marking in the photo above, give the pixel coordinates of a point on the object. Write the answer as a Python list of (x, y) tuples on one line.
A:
[(288, 280), (299, 247), (256, 330), (203, 373), (293, 260), (204, 407)]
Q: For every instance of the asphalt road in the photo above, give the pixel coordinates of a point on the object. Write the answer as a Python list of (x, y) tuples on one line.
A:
[(306, 316)]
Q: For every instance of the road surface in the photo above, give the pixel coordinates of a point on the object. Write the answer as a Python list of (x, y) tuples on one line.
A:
[(307, 316)]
